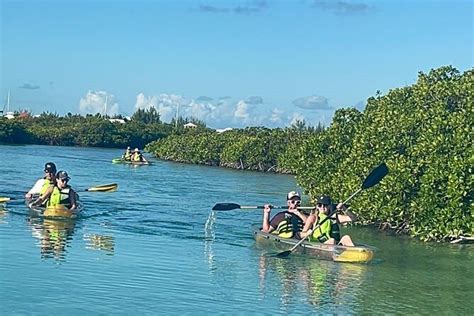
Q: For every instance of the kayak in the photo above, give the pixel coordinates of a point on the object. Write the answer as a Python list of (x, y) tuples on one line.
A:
[(338, 253), (120, 160), (57, 211)]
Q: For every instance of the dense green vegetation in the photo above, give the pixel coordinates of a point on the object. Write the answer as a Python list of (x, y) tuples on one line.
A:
[(254, 148), (423, 132), (90, 130)]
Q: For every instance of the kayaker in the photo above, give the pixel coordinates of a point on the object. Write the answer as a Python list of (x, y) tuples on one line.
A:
[(127, 155), (286, 224), (45, 184), (137, 156), (328, 232), (62, 193)]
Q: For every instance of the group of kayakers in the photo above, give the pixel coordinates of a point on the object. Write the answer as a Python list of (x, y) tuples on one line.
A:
[(52, 190), (316, 226), (134, 156)]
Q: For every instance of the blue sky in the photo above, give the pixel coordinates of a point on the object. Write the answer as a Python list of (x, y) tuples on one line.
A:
[(229, 63)]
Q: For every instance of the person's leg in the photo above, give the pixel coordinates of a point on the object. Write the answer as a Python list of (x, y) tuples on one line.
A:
[(330, 241), (346, 240)]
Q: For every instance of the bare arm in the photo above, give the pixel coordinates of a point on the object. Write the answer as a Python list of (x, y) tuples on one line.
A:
[(266, 228), (299, 214), (43, 197), (347, 217), (310, 220), (72, 198)]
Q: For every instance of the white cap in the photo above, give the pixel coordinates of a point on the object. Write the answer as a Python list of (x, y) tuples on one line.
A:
[(293, 194)]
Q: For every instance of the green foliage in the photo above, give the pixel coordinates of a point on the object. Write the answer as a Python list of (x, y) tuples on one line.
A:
[(77, 130), (147, 116), (423, 132), (255, 148)]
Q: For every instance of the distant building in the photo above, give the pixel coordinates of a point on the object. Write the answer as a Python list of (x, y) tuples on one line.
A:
[(223, 130), (190, 125), (115, 120)]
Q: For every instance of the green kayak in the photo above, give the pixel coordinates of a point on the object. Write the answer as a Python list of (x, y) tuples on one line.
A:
[(357, 254)]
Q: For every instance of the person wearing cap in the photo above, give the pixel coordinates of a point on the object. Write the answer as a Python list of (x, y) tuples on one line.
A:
[(137, 156), (319, 228), (62, 193), (286, 224), (128, 154), (45, 184)]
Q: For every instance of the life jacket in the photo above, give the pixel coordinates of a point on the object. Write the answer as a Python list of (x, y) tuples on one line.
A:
[(136, 157), (323, 231), (60, 197), (127, 155), (335, 231), (46, 184), (288, 227)]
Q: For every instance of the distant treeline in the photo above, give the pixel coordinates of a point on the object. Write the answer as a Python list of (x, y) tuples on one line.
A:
[(423, 132), (90, 130)]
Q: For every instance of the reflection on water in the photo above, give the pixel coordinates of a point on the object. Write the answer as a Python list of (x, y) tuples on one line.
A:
[(54, 236), (209, 237), (99, 242), (323, 284), (3, 213)]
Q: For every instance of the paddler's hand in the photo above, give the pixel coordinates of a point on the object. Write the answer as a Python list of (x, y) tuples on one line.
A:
[(340, 208), (267, 208)]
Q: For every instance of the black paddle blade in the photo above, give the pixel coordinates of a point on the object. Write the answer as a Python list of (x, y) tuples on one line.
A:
[(283, 254), (225, 206), (375, 176)]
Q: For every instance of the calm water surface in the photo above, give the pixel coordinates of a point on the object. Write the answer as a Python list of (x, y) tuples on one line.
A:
[(154, 247)]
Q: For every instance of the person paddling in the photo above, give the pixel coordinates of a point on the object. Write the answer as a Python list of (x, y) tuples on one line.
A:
[(62, 193), (327, 231), (286, 224), (137, 156), (44, 185), (127, 155)]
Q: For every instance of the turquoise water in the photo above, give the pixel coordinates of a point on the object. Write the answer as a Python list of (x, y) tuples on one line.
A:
[(154, 247)]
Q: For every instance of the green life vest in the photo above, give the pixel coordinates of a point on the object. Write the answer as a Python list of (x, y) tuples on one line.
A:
[(46, 184), (323, 231), (137, 157), (60, 197), (288, 227)]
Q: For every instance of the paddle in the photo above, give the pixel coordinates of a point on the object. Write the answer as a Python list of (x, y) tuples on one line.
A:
[(233, 206), (112, 187), (372, 179)]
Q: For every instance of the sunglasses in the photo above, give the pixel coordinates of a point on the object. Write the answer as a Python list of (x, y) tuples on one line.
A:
[(297, 202), (321, 205), (48, 171)]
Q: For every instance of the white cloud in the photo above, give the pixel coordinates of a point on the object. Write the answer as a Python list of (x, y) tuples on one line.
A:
[(241, 111), (314, 102), (224, 112), (296, 117), (94, 102), (276, 116)]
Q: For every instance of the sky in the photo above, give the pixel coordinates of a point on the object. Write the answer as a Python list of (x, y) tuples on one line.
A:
[(227, 63)]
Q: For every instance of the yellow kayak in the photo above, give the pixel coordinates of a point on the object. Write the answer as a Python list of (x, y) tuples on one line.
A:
[(338, 253), (58, 211)]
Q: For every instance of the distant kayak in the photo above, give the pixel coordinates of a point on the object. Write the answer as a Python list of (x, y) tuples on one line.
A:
[(120, 160), (357, 254)]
